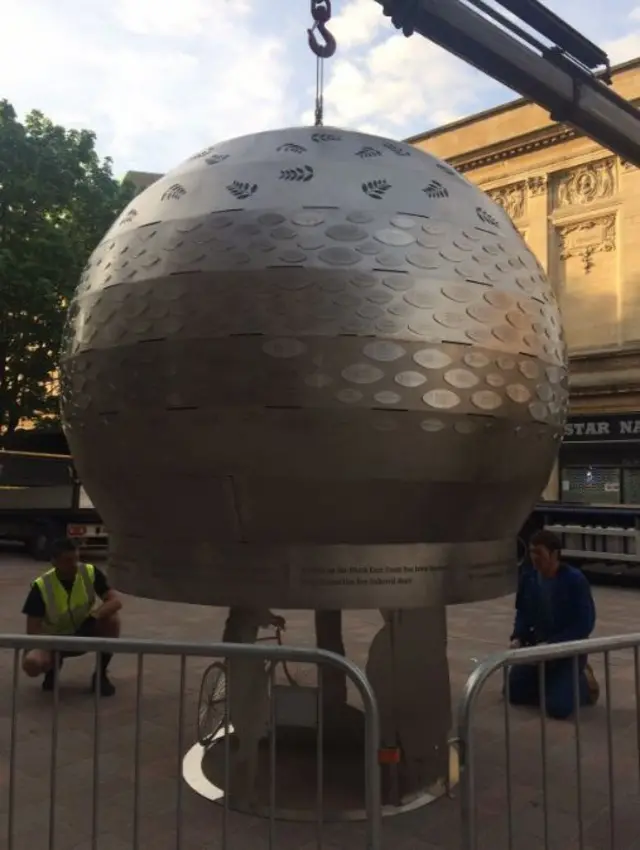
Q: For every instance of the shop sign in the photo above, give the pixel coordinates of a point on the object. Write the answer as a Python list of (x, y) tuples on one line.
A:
[(613, 428)]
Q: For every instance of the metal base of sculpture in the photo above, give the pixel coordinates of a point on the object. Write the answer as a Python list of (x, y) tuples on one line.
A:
[(321, 577), (407, 667)]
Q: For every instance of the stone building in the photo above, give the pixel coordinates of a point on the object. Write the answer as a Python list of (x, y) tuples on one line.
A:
[(578, 207)]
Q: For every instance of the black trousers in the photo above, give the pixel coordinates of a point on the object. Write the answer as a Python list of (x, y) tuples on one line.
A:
[(86, 629)]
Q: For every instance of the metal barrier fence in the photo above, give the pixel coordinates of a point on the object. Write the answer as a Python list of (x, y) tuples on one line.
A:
[(69, 760), (470, 741)]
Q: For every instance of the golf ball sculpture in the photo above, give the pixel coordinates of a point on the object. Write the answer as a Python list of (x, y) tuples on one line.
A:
[(312, 368)]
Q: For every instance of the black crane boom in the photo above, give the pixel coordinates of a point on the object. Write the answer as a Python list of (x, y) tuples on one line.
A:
[(558, 75)]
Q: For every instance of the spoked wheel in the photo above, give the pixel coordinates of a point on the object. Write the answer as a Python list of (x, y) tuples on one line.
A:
[(212, 703)]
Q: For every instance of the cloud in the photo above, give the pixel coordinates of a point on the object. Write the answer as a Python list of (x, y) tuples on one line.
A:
[(206, 79), (385, 83), (358, 23), (160, 79), (626, 46), (155, 79), (167, 19)]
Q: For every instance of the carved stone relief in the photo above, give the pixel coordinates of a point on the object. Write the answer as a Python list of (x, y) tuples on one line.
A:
[(583, 239), (626, 165), (537, 185), (594, 181), (511, 198)]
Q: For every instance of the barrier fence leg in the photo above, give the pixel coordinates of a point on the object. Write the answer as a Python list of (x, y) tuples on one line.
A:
[(320, 758), (12, 749)]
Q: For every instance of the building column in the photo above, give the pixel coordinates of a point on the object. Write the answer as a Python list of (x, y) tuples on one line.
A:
[(537, 231), (537, 236)]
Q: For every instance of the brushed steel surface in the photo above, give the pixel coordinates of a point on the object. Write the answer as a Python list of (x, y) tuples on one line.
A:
[(311, 341), (408, 670)]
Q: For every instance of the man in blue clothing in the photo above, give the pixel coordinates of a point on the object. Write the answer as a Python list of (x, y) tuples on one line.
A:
[(553, 605)]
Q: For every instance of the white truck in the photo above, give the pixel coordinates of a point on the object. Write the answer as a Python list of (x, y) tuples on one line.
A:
[(41, 499)]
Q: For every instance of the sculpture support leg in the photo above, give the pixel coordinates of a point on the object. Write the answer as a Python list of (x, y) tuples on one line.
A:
[(329, 636), (408, 671)]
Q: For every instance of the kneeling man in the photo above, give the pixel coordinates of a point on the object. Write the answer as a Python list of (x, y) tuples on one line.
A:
[(64, 601), (554, 605)]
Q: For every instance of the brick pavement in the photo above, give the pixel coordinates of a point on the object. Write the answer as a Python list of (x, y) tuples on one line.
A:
[(475, 631)]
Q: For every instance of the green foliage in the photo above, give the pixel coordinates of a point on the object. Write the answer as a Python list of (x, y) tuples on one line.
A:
[(57, 199)]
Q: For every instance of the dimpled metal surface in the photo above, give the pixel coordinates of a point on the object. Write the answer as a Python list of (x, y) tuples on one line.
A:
[(313, 368)]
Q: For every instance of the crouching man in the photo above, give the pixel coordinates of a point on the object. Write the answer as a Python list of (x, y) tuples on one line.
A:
[(71, 599), (554, 604)]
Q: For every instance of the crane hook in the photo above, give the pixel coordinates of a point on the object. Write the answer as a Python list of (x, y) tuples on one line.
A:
[(322, 51)]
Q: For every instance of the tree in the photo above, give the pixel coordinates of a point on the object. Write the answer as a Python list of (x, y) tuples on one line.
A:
[(57, 199)]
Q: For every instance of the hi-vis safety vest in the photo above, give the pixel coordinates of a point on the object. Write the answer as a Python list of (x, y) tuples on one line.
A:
[(64, 611)]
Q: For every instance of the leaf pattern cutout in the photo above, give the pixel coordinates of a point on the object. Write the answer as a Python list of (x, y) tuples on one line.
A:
[(128, 217), (299, 175), (325, 137), (434, 189), (367, 152), (487, 218), (216, 158), (376, 189), (174, 193), (202, 153), (241, 190), (396, 149), (291, 147)]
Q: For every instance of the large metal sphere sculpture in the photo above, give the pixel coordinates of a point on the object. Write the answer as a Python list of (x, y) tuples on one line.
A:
[(314, 368)]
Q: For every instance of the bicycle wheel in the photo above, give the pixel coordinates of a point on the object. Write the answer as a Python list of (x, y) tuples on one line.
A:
[(211, 705), (277, 637)]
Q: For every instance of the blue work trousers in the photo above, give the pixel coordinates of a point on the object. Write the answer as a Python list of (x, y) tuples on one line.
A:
[(524, 687)]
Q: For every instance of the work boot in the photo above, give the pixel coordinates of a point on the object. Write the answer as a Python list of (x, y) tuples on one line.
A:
[(592, 685), (107, 688), (49, 681)]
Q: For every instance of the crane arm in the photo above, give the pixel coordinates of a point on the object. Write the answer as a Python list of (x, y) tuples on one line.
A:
[(550, 76)]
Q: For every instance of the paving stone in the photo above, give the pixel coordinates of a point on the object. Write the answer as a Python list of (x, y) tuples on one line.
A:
[(475, 632)]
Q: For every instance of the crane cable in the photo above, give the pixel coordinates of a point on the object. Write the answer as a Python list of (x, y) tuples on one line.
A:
[(321, 14)]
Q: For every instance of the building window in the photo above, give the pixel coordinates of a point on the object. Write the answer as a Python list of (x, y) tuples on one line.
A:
[(600, 485), (631, 486)]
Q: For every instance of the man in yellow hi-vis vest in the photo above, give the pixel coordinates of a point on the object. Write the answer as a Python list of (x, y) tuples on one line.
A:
[(64, 601)]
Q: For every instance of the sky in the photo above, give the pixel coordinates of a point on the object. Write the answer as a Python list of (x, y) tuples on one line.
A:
[(158, 80)]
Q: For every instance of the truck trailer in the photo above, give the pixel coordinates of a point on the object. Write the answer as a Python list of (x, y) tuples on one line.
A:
[(42, 499)]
